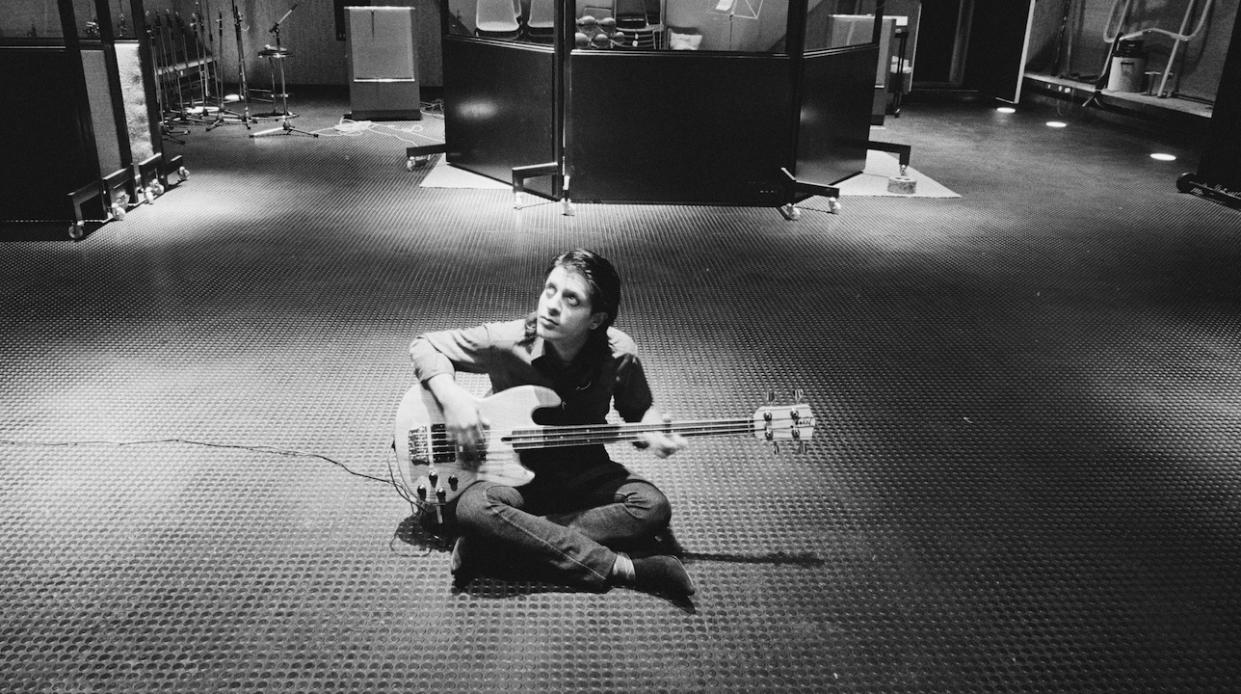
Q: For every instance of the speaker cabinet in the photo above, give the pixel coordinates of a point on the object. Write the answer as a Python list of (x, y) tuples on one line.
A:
[(383, 70)]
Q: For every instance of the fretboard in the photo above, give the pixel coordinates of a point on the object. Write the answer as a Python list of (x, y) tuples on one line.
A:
[(587, 434)]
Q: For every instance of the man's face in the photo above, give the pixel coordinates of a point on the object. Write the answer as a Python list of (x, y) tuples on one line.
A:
[(565, 313)]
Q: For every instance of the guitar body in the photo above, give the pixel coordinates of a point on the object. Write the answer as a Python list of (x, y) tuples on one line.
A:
[(428, 456)]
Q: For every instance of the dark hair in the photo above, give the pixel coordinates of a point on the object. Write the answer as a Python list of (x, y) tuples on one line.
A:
[(605, 284)]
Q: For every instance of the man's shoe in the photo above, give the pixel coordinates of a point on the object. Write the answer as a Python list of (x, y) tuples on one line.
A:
[(662, 575)]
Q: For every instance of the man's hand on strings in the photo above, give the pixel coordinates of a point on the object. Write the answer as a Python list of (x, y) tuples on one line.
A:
[(464, 424), (661, 443)]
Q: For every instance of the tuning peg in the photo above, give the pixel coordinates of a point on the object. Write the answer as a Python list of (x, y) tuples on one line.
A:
[(434, 477), (441, 495), (422, 492), (775, 447), (453, 482)]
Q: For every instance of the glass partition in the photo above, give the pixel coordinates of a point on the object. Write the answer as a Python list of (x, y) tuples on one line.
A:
[(839, 24), (31, 21), (519, 21), (735, 26), (39, 22)]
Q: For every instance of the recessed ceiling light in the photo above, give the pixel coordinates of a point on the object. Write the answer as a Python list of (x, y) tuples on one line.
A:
[(1006, 109), (1057, 124), (1163, 156)]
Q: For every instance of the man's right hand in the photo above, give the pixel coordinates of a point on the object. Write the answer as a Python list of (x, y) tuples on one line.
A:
[(462, 420)]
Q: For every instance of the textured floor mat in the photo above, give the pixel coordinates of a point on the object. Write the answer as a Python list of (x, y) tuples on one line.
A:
[(1024, 476)]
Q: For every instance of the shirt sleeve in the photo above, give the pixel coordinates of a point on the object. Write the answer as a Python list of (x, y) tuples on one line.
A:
[(449, 351), (632, 395)]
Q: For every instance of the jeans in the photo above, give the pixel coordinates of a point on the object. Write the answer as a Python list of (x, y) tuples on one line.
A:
[(565, 533)]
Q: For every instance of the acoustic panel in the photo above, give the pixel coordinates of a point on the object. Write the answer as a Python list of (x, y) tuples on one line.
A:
[(99, 95), (499, 110), (43, 134), (837, 107), (701, 127), (382, 63), (381, 42)]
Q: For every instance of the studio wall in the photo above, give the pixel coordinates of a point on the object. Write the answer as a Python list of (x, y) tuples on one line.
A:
[(1083, 52), (310, 32)]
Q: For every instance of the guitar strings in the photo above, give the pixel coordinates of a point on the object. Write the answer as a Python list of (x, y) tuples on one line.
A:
[(584, 434)]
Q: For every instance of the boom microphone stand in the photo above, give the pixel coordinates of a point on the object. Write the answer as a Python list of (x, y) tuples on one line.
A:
[(275, 57)]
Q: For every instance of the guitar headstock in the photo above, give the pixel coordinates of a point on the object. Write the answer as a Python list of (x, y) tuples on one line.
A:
[(776, 423)]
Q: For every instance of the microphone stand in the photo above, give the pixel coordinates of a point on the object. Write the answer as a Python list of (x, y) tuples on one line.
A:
[(279, 53), (242, 89)]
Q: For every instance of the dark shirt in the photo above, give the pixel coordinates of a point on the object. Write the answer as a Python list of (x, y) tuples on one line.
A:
[(511, 354)]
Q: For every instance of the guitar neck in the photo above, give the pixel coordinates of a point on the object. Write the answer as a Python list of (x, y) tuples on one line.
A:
[(588, 434)]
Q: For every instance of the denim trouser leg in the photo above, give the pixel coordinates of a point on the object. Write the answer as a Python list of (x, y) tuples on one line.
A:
[(619, 514), (572, 545)]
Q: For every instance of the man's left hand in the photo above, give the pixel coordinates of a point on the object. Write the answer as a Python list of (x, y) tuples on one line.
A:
[(661, 443)]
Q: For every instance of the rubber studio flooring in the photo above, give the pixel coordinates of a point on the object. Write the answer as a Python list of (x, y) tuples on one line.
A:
[(1025, 474)]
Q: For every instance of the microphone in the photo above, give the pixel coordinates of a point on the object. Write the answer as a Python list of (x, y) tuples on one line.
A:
[(276, 27)]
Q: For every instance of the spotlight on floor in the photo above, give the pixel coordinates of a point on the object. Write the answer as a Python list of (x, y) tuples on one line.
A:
[(1163, 156), (1057, 124), (1006, 109)]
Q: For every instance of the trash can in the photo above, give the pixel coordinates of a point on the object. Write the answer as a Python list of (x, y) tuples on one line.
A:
[(1128, 71)]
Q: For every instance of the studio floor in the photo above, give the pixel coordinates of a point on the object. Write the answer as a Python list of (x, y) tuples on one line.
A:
[(1025, 475)]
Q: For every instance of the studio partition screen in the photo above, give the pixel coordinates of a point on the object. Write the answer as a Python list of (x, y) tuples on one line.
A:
[(500, 88), (663, 101), (79, 115)]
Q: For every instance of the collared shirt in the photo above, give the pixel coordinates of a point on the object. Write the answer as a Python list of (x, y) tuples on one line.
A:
[(512, 355)]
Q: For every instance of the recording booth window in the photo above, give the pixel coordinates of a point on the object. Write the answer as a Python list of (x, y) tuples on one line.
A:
[(32, 22), (735, 26)]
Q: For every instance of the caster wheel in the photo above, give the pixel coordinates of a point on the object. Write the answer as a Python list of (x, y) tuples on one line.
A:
[(148, 195), (567, 209), (519, 201), (790, 212), (833, 205), (1186, 183), (118, 212), (157, 188), (77, 231), (183, 173), (409, 164)]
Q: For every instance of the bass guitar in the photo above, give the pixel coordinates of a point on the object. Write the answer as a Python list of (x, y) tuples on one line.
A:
[(435, 470)]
